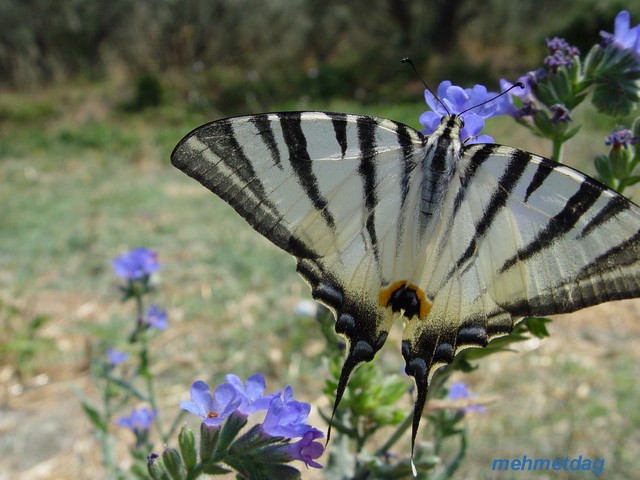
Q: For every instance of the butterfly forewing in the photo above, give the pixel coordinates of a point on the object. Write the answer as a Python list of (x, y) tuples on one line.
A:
[(461, 240)]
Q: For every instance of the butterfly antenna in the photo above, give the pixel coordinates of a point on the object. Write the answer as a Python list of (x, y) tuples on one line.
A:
[(517, 84), (415, 70)]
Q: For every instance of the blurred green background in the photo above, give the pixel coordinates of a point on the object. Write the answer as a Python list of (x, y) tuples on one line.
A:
[(93, 97)]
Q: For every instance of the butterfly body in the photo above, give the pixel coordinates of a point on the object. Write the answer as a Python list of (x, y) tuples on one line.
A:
[(460, 241)]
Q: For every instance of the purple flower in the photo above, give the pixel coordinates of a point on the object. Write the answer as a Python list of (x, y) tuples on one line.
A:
[(562, 54), (157, 318), (621, 138), (286, 417), (212, 409), (139, 420), (457, 100), (460, 391), (525, 95), (252, 395), (136, 264), (306, 450), (115, 357), (560, 113), (151, 459), (623, 36)]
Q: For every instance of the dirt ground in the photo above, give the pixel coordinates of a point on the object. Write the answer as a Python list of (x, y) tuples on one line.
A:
[(45, 435)]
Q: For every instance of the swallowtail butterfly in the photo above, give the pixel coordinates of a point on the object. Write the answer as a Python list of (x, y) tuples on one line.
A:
[(384, 222)]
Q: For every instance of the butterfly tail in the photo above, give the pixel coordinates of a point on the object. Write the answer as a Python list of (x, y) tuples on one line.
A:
[(349, 365), (419, 360), (359, 352), (422, 388)]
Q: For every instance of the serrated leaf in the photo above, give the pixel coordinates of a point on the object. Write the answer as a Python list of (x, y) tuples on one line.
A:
[(615, 77)]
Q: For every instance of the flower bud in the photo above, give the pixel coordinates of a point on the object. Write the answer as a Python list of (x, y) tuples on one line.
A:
[(187, 442), (173, 464)]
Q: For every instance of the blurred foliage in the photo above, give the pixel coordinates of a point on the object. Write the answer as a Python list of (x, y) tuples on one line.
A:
[(149, 93), (22, 342), (236, 53)]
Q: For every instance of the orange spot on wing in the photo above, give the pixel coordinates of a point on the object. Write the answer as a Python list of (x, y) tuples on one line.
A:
[(387, 292), (425, 305)]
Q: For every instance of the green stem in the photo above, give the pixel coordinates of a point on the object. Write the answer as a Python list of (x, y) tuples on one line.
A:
[(403, 427), (557, 145), (106, 442), (144, 367)]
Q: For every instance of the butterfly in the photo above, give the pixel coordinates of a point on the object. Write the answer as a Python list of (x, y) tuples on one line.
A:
[(460, 241)]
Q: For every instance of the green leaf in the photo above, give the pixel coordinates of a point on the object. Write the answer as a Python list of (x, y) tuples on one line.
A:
[(95, 417), (230, 430), (615, 76), (627, 182), (258, 457), (537, 326), (214, 469), (570, 133), (605, 173)]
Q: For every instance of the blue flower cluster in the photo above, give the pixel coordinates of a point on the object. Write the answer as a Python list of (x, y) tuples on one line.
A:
[(136, 264), (621, 138), (285, 417), (140, 419), (550, 92), (136, 267), (454, 99), (561, 54), (460, 391), (624, 36)]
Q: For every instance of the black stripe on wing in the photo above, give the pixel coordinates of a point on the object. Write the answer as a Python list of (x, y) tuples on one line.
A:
[(616, 204), (228, 172), (563, 222), (542, 172), (405, 142), (367, 170), (506, 184), (475, 162), (408, 166), (339, 122), (301, 163), (263, 125)]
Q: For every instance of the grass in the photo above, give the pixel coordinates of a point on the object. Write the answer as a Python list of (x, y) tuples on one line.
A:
[(83, 181)]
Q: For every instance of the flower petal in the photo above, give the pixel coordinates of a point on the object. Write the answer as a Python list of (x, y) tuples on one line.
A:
[(256, 385), (430, 120), (201, 397)]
